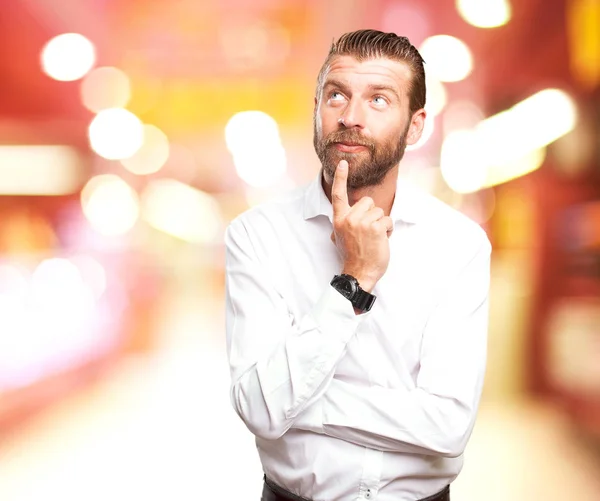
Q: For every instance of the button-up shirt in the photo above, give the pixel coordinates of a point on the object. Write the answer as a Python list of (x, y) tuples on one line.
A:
[(375, 406)]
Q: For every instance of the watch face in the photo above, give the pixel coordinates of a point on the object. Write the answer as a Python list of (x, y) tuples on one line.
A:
[(345, 286)]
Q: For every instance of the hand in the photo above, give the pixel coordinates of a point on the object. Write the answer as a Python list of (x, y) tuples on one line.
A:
[(360, 233)]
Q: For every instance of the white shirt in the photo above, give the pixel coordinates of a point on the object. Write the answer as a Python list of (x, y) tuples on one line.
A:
[(377, 406)]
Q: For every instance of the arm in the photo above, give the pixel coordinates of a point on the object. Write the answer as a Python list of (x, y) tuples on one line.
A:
[(438, 415), (278, 367)]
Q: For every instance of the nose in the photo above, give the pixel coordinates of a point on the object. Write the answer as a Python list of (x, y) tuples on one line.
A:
[(353, 116)]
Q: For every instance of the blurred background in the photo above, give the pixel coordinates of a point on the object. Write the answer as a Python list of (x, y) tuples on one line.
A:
[(132, 132)]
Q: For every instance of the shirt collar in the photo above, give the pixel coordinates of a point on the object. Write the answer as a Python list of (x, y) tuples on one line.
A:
[(405, 207)]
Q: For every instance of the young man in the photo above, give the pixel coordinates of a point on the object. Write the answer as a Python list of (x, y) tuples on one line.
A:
[(357, 308)]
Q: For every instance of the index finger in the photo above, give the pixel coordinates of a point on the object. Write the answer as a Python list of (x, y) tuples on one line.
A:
[(339, 188)]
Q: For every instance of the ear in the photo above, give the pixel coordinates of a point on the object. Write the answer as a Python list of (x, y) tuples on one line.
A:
[(415, 128)]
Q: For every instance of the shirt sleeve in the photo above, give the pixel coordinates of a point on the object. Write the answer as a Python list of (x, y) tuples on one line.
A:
[(279, 364), (438, 415)]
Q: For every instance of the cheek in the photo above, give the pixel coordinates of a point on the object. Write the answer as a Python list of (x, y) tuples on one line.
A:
[(325, 124)]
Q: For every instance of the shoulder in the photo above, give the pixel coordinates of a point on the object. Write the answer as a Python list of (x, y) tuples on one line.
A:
[(269, 215), (449, 228)]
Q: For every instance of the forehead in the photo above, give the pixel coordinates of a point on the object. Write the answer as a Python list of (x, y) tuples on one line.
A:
[(368, 72)]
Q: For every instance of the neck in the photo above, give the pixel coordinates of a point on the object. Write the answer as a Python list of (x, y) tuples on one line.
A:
[(383, 194)]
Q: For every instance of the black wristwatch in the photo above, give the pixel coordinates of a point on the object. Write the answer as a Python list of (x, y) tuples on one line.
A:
[(349, 287)]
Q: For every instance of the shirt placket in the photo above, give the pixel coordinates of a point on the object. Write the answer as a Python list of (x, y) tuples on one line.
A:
[(371, 477)]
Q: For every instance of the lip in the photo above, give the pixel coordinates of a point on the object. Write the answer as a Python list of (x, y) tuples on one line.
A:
[(350, 148)]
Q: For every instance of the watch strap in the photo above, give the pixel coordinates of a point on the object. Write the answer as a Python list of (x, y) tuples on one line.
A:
[(363, 300)]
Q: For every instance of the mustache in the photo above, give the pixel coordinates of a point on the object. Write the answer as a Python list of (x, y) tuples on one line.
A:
[(349, 136)]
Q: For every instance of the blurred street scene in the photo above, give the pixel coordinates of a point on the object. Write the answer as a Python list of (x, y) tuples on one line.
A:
[(132, 132)]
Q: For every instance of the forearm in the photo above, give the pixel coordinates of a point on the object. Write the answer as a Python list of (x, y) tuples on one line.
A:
[(271, 387), (397, 420)]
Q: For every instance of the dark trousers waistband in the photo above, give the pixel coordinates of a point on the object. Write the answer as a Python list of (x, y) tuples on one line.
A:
[(273, 492)]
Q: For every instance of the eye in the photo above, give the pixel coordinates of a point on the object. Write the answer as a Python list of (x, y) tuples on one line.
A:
[(380, 101)]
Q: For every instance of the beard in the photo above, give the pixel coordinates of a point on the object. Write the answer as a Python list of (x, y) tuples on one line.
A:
[(366, 168)]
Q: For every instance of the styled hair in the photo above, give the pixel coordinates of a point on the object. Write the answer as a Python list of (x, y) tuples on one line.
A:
[(371, 44)]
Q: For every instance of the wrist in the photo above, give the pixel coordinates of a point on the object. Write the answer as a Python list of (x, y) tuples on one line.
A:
[(366, 282), (349, 287)]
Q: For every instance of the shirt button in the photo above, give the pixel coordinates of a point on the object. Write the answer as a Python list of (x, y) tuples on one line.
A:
[(368, 494)]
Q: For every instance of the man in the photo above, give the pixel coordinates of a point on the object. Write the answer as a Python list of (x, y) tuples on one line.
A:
[(357, 307)]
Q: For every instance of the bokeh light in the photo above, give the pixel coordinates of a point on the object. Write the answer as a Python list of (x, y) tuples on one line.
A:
[(507, 145), (253, 139), (104, 88), (485, 13), (461, 114), (153, 153), (182, 163), (92, 273), (406, 18), (437, 97), (68, 57), (461, 162), (531, 124), (40, 169), (448, 58), (255, 196), (13, 283), (254, 45), (110, 204), (116, 134), (182, 211), (513, 168), (55, 274)]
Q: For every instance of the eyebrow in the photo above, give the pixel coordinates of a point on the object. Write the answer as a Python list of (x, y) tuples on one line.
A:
[(374, 87), (336, 83), (388, 88)]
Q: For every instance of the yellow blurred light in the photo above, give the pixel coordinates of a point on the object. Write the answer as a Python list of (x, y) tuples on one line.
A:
[(485, 13), (39, 170), (253, 139), (68, 57), (152, 155), (105, 88), (583, 29), (437, 97), (509, 144), (551, 113), (529, 125), (116, 134), (110, 204), (182, 211), (461, 161), (448, 59), (514, 168)]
